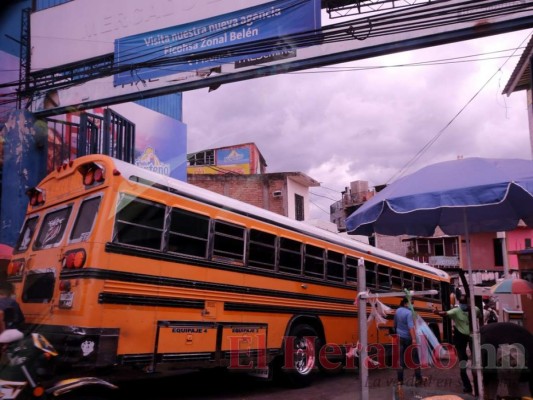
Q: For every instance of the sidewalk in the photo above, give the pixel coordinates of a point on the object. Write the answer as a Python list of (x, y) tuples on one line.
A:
[(381, 385)]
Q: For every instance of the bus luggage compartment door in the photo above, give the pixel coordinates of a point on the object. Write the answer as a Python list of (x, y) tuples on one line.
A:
[(244, 345), (185, 341)]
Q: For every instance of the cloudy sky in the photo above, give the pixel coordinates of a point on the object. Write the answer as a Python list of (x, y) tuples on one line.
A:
[(369, 119)]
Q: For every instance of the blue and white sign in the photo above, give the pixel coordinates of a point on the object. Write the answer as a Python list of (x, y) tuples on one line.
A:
[(270, 20)]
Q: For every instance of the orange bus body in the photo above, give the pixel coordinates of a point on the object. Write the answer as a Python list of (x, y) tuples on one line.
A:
[(118, 266)]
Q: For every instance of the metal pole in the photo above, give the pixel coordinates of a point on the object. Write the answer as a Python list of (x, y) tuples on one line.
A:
[(476, 340), (363, 334)]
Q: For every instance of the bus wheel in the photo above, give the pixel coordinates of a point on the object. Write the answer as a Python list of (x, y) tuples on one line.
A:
[(300, 356)]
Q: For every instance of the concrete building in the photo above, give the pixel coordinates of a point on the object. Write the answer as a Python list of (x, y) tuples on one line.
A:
[(352, 198)]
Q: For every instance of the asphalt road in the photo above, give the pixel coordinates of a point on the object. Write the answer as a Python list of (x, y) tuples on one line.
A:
[(344, 386)]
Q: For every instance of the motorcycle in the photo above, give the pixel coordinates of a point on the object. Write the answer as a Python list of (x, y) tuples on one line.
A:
[(27, 371)]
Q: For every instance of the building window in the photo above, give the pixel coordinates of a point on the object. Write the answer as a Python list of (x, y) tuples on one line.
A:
[(299, 207), (202, 158), (438, 249), (528, 243), (498, 253)]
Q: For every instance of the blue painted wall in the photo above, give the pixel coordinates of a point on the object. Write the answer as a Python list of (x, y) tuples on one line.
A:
[(10, 19)]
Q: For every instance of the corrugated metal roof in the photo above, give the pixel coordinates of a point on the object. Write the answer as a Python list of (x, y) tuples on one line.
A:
[(168, 104), (521, 77)]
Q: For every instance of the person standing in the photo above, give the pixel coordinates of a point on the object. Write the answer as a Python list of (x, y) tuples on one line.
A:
[(12, 317), (405, 329), (461, 337)]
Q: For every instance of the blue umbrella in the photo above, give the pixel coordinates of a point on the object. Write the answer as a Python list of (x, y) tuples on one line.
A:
[(461, 197), (492, 194)]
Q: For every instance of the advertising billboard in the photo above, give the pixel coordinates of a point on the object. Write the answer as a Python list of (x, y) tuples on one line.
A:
[(272, 20), (436, 23), (84, 29), (160, 141)]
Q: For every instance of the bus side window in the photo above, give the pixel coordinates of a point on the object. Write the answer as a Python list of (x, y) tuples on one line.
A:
[(396, 279), (435, 285), (314, 261), (351, 270), (407, 281), (334, 267), (262, 250), (139, 222), (85, 219), (418, 285), (26, 234), (53, 228), (188, 233), (371, 280), (290, 256), (229, 241), (384, 277)]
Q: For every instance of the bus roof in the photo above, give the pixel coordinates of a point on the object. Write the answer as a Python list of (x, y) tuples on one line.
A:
[(128, 170)]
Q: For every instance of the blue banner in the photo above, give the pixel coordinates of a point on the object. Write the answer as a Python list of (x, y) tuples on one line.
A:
[(270, 20)]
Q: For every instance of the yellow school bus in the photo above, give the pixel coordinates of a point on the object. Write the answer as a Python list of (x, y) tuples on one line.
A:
[(120, 267)]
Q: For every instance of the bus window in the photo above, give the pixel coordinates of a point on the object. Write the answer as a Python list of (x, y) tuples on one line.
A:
[(290, 256), (435, 285), (85, 219), (334, 267), (407, 281), (229, 241), (384, 278), (188, 233), (396, 279), (371, 280), (139, 222), (417, 280), (26, 234), (314, 261), (52, 228), (38, 287), (351, 270), (262, 251)]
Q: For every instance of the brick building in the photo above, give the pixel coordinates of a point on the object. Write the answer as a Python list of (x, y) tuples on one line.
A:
[(239, 172)]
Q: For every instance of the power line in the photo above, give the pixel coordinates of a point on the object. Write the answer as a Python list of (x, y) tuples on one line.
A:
[(320, 208), (325, 197), (385, 24), (442, 130)]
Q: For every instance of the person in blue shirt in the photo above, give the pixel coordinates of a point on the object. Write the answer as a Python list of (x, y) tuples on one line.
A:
[(405, 329)]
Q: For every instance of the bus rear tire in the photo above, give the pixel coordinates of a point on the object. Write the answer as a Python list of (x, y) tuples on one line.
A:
[(300, 356)]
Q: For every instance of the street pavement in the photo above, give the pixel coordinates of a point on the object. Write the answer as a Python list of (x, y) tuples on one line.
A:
[(440, 381), (344, 386)]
